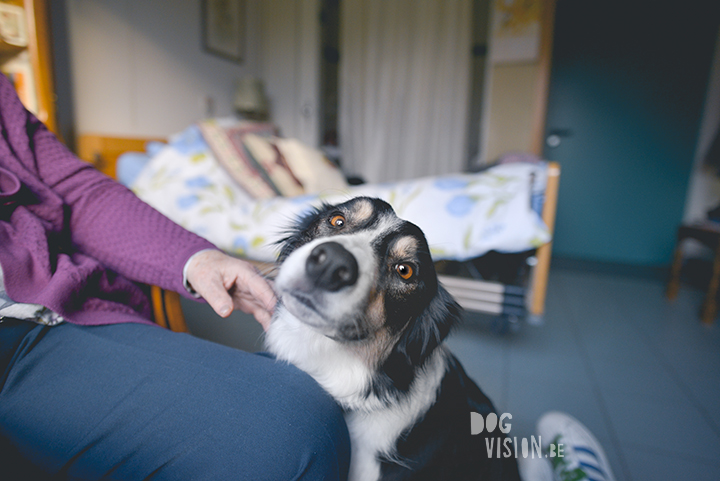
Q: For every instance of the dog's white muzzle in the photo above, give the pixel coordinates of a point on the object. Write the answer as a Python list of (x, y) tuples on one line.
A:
[(326, 284)]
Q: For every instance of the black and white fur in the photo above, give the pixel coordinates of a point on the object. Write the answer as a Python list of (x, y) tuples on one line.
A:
[(361, 311)]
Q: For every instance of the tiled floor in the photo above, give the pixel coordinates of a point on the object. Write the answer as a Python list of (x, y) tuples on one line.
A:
[(642, 374)]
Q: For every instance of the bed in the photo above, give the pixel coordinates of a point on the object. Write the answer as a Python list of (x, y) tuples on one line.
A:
[(480, 227)]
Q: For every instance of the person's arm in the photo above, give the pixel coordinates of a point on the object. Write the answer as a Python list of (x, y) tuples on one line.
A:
[(108, 222), (104, 219)]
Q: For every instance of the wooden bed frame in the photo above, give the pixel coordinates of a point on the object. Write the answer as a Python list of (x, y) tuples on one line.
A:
[(474, 295)]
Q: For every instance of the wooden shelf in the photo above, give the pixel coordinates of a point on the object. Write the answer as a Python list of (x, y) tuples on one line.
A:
[(30, 66)]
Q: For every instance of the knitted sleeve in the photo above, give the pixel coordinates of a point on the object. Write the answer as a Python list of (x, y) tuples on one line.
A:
[(106, 220)]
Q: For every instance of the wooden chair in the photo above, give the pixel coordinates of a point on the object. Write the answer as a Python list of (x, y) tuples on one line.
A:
[(710, 237), (103, 153)]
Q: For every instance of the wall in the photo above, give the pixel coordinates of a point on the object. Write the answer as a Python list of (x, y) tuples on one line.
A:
[(290, 65), (512, 98), (516, 81), (138, 67), (704, 189)]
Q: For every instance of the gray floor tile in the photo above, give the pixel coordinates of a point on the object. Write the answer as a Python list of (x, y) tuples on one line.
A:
[(555, 366), (705, 393), (527, 401), (648, 359), (662, 425), (642, 378), (649, 465)]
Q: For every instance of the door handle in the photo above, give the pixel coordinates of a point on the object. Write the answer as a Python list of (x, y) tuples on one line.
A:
[(555, 136)]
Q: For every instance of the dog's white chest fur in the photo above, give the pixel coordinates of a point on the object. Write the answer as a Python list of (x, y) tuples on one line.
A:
[(376, 432), (374, 424)]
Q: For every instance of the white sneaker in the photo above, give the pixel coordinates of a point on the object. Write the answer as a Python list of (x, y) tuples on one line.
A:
[(574, 452)]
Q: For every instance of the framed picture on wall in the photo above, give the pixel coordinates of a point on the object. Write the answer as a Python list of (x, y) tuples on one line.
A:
[(223, 28)]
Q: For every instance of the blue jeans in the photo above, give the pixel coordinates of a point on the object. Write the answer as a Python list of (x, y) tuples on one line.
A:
[(129, 401)]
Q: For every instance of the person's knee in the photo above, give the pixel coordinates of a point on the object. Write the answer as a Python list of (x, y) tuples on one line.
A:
[(209, 420), (300, 433), (331, 441), (315, 433)]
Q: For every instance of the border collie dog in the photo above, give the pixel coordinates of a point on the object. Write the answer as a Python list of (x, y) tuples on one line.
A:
[(362, 312)]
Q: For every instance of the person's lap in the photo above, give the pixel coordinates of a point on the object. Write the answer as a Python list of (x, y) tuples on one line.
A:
[(130, 401)]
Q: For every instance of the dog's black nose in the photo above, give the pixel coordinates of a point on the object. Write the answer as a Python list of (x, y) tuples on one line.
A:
[(331, 267)]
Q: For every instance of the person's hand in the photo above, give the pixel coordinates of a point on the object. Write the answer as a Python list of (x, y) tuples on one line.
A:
[(227, 283)]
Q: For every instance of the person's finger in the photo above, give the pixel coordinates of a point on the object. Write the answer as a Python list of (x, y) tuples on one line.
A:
[(224, 282), (262, 316), (218, 298), (260, 289)]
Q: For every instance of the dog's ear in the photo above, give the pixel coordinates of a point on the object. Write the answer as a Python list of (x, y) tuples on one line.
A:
[(420, 339), (430, 328)]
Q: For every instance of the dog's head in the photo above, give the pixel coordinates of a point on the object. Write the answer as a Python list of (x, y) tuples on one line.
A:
[(360, 275)]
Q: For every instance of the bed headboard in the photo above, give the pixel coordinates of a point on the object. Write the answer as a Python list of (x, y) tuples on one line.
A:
[(102, 151)]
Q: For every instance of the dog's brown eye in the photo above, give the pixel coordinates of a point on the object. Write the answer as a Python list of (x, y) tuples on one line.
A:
[(337, 221), (404, 270)]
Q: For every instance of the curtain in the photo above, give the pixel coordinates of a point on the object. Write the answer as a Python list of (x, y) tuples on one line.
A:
[(404, 87)]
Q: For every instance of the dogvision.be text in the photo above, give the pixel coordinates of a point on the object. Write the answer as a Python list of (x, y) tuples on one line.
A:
[(506, 446)]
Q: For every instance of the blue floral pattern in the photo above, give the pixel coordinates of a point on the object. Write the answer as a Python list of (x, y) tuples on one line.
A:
[(187, 201), (460, 205), (199, 182)]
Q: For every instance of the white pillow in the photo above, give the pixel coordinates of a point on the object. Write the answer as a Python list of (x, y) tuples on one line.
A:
[(315, 172)]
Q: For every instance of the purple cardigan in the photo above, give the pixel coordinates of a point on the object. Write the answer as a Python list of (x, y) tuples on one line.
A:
[(72, 239)]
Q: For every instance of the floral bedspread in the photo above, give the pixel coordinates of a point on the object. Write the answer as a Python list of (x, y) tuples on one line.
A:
[(463, 216)]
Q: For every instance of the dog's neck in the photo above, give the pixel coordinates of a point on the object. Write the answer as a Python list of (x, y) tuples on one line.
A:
[(375, 421), (339, 368), (345, 377)]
